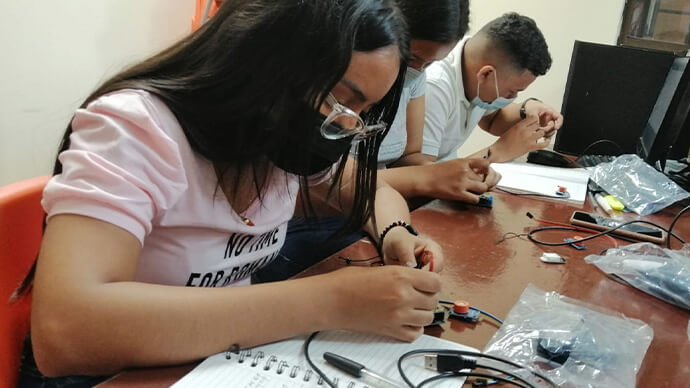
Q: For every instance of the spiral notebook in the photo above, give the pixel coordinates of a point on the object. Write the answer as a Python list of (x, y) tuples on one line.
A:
[(283, 365)]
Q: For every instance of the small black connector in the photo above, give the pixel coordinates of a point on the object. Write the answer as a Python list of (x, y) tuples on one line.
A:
[(480, 383), (448, 362)]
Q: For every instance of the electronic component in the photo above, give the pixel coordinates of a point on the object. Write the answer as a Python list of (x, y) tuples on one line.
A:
[(486, 201), (552, 258), (573, 243), (461, 310), (439, 316)]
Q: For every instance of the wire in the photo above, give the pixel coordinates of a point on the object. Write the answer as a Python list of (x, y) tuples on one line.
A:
[(571, 227), (487, 314), (478, 355), (605, 232), (349, 261), (312, 365), (475, 309), (446, 375), (509, 235), (620, 150), (565, 196), (673, 223)]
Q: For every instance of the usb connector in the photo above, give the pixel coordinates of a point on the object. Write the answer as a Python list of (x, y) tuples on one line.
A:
[(448, 362)]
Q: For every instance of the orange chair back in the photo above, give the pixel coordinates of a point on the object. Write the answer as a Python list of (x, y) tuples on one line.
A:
[(199, 11), (21, 219)]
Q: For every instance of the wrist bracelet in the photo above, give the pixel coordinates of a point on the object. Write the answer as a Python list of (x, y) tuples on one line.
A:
[(393, 225), (523, 112)]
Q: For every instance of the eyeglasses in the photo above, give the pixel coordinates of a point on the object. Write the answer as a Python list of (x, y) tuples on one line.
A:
[(343, 122)]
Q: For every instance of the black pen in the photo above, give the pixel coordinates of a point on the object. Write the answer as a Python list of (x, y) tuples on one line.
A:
[(358, 370)]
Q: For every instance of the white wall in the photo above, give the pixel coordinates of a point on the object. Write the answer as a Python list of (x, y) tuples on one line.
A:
[(53, 53), (561, 22)]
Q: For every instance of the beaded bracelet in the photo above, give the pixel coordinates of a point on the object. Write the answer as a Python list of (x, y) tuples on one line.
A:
[(393, 225)]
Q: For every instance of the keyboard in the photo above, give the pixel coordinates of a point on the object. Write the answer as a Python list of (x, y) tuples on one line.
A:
[(593, 160)]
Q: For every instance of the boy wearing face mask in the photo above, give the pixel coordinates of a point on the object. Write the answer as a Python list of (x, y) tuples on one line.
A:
[(477, 84)]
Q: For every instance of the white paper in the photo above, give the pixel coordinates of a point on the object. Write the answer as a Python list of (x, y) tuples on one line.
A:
[(545, 180), (376, 353)]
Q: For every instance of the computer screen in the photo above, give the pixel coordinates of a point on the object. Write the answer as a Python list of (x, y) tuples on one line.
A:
[(667, 117), (609, 95)]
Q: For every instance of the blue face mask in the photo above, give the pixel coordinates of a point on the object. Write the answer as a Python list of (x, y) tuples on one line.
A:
[(498, 103)]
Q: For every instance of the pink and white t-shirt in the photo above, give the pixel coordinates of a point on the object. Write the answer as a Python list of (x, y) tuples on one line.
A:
[(130, 164)]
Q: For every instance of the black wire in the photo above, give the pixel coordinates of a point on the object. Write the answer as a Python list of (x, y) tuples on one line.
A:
[(607, 231), (348, 260), (516, 377), (532, 194), (438, 352), (312, 365), (673, 223), (446, 375), (620, 150)]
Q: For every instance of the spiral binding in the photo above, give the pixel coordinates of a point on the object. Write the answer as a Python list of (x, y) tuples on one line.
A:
[(281, 367)]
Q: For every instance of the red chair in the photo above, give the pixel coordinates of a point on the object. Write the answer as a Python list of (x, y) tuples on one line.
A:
[(21, 219), (205, 9)]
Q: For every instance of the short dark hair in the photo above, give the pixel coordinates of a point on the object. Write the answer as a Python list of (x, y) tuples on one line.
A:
[(442, 21), (519, 37)]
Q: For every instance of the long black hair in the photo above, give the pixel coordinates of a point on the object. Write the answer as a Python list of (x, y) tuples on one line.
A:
[(442, 21), (255, 64)]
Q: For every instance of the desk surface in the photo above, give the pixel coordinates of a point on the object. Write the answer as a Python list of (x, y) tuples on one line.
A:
[(492, 276)]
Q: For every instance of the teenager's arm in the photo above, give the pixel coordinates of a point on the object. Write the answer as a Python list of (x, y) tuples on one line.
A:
[(414, 123), (89, 315)]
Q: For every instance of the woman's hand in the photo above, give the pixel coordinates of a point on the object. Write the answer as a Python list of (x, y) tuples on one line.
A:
[(390, 300), (403, 248)]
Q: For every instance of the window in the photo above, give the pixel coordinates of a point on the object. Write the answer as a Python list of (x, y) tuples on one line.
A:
[(656, 24)]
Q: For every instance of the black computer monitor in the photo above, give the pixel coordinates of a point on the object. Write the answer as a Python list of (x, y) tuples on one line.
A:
[(668, 116), (609, 95)]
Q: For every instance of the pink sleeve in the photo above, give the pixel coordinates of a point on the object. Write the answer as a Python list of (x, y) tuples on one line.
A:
[(121, 167)]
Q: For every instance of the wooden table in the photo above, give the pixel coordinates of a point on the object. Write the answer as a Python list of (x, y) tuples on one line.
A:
[(492, 276)]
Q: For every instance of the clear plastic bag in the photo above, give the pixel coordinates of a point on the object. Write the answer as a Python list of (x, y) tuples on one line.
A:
[(640, 187), (664, 273), (570, 342)]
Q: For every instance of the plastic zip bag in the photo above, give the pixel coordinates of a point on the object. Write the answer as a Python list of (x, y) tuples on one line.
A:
[(572, 343), (663, 273), (640, 187)]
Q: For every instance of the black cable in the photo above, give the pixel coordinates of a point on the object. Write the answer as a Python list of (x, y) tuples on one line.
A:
[(566, 196), (605, 232), (349, 261), (441, 352), (514, 376), (446, 375), (312, 365), (673, 223), (620, 149)]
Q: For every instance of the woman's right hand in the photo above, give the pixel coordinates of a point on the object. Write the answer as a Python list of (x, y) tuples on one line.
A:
[(461, 179), (395, 301)]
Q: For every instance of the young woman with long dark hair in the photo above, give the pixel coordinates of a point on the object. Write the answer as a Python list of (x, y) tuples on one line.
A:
[(177, 177)]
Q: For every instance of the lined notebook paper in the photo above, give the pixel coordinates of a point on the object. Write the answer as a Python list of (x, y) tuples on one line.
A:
[(282, 364), (532, 178)]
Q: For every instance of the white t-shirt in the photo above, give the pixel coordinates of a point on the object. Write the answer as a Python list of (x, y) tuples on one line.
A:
[(393, 145), (130, 164), (449, 118)]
